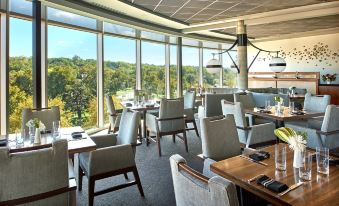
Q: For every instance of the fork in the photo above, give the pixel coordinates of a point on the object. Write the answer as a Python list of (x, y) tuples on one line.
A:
[(292, 187)]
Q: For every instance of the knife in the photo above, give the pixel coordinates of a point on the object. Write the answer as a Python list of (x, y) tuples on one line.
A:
[(252, 160), (291, 188)]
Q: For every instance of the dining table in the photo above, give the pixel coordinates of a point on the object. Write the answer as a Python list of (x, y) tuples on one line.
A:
[(321, 190), (281, 117), (78, 145)]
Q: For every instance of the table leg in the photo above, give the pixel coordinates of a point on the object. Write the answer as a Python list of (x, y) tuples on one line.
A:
[(279, 123), (144, 125)]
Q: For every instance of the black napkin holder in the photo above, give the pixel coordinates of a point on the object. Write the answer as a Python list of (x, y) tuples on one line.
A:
[(76, 135), (271, 184), (3, 143), (259, 156)]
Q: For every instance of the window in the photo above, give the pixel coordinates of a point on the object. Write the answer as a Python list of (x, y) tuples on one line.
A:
[(20, 71), (190, 42), (209, 80), (21, 7), (173, 71), (119, 69), (72, 75), (190, 68), (153, 69), (230, 72), (117, 29), (152, 36)]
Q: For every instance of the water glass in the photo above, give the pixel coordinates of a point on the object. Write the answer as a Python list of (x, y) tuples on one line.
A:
[(305, 171), (19, 137), (268, 105), (56, 128), (280, 157), (322, 155), (31, 133), (291, 107)]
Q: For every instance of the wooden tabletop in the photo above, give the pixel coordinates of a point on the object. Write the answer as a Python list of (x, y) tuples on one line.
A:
[(85, 144), (321, 190), (285, 116)]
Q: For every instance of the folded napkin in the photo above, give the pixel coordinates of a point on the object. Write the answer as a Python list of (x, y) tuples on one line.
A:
[(272, 184), (3, 143), (298, 112), (76, 135), (259, 156), (333, 162)]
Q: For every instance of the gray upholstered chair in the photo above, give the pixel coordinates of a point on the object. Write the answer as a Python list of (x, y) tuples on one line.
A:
[(171, 121), (114, 116), (246, 99), (316, 103), (45, 115), (38, 177), (192, 188), (328, 135), (249, 135), (115, 155), (189, 102)]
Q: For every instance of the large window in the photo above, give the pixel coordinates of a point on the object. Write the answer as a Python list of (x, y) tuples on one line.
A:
[(20, 70), (72, 75), (173, 71), (190, 67), (209, 80), (230, 72), (153, 69), (119, 70)]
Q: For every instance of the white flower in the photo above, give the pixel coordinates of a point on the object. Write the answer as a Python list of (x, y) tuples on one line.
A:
[(30, 123), (297, 143)]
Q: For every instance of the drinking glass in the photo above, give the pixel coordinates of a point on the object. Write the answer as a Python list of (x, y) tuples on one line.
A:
[(31, 134), (56, 128), (322, 155), (268, 105), (19, 137), (280, 157), (291, 107), (305, 171)]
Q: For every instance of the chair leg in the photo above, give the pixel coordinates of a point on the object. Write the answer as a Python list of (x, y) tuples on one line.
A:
[(195, 128), (80, 175), (147, 136), (185, 140), (140, 133), (173, 136), (137, 179), (126, 176), (159, 146), (91, 186)]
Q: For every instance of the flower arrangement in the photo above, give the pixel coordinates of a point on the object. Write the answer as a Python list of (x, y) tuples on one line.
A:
[(292, 88), (36, 123), (295, 139), (329, 77), (278, 99)]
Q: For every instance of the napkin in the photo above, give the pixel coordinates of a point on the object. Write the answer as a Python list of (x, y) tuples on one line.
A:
[(76, 135), (272, 184), (298, 112), (3, 143), (259, 156)]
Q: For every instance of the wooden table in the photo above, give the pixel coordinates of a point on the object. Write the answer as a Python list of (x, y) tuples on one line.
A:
[(321, 190), (283, 117), (85, 144)]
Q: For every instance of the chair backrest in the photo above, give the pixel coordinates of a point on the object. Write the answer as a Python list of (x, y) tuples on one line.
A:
[(110, 105), (331, 119), (261, 98), (212, 103), (128, 128), (171, 108), (30, 173), (237, 110), (192, 188), (219, 137), (246, 99), (189, 99), (45, 115), (316, 103)]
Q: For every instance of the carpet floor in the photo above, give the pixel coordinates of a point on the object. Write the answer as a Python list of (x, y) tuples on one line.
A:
[(154, 172)]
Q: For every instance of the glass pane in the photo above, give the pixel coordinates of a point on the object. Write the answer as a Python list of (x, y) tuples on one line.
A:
[(71, 18), (21, 7), (209, 80), (214, 45), (117, 29), (153, 69), (152, 36), (20, 71), (72, 75), (190, 68), (230, 72), (173, 71), (190, 42), (173, 40), (119, 70)]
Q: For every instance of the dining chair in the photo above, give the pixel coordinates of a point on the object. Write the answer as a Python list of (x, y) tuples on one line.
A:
[(114, 116), (316, 103), (219, 141), (255, 135), (189, 102), (46, 115), (171, 121), (191, 188), (115, 155), (37, 177), (327, 135)]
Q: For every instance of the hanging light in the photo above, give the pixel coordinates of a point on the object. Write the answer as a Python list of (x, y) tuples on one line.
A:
[(277, 64), (213, 66)]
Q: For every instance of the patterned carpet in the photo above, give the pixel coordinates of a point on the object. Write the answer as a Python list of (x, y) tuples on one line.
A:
[(154, 172)]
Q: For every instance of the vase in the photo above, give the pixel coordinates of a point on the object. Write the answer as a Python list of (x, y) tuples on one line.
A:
[(37, 138), (328, 82), (297, 158)]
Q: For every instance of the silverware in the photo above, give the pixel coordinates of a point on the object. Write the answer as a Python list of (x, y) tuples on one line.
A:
[(254, 178), (252, 160), (291, 188)]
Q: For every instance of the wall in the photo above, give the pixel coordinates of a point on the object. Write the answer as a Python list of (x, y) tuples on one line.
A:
[(305, 54)]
